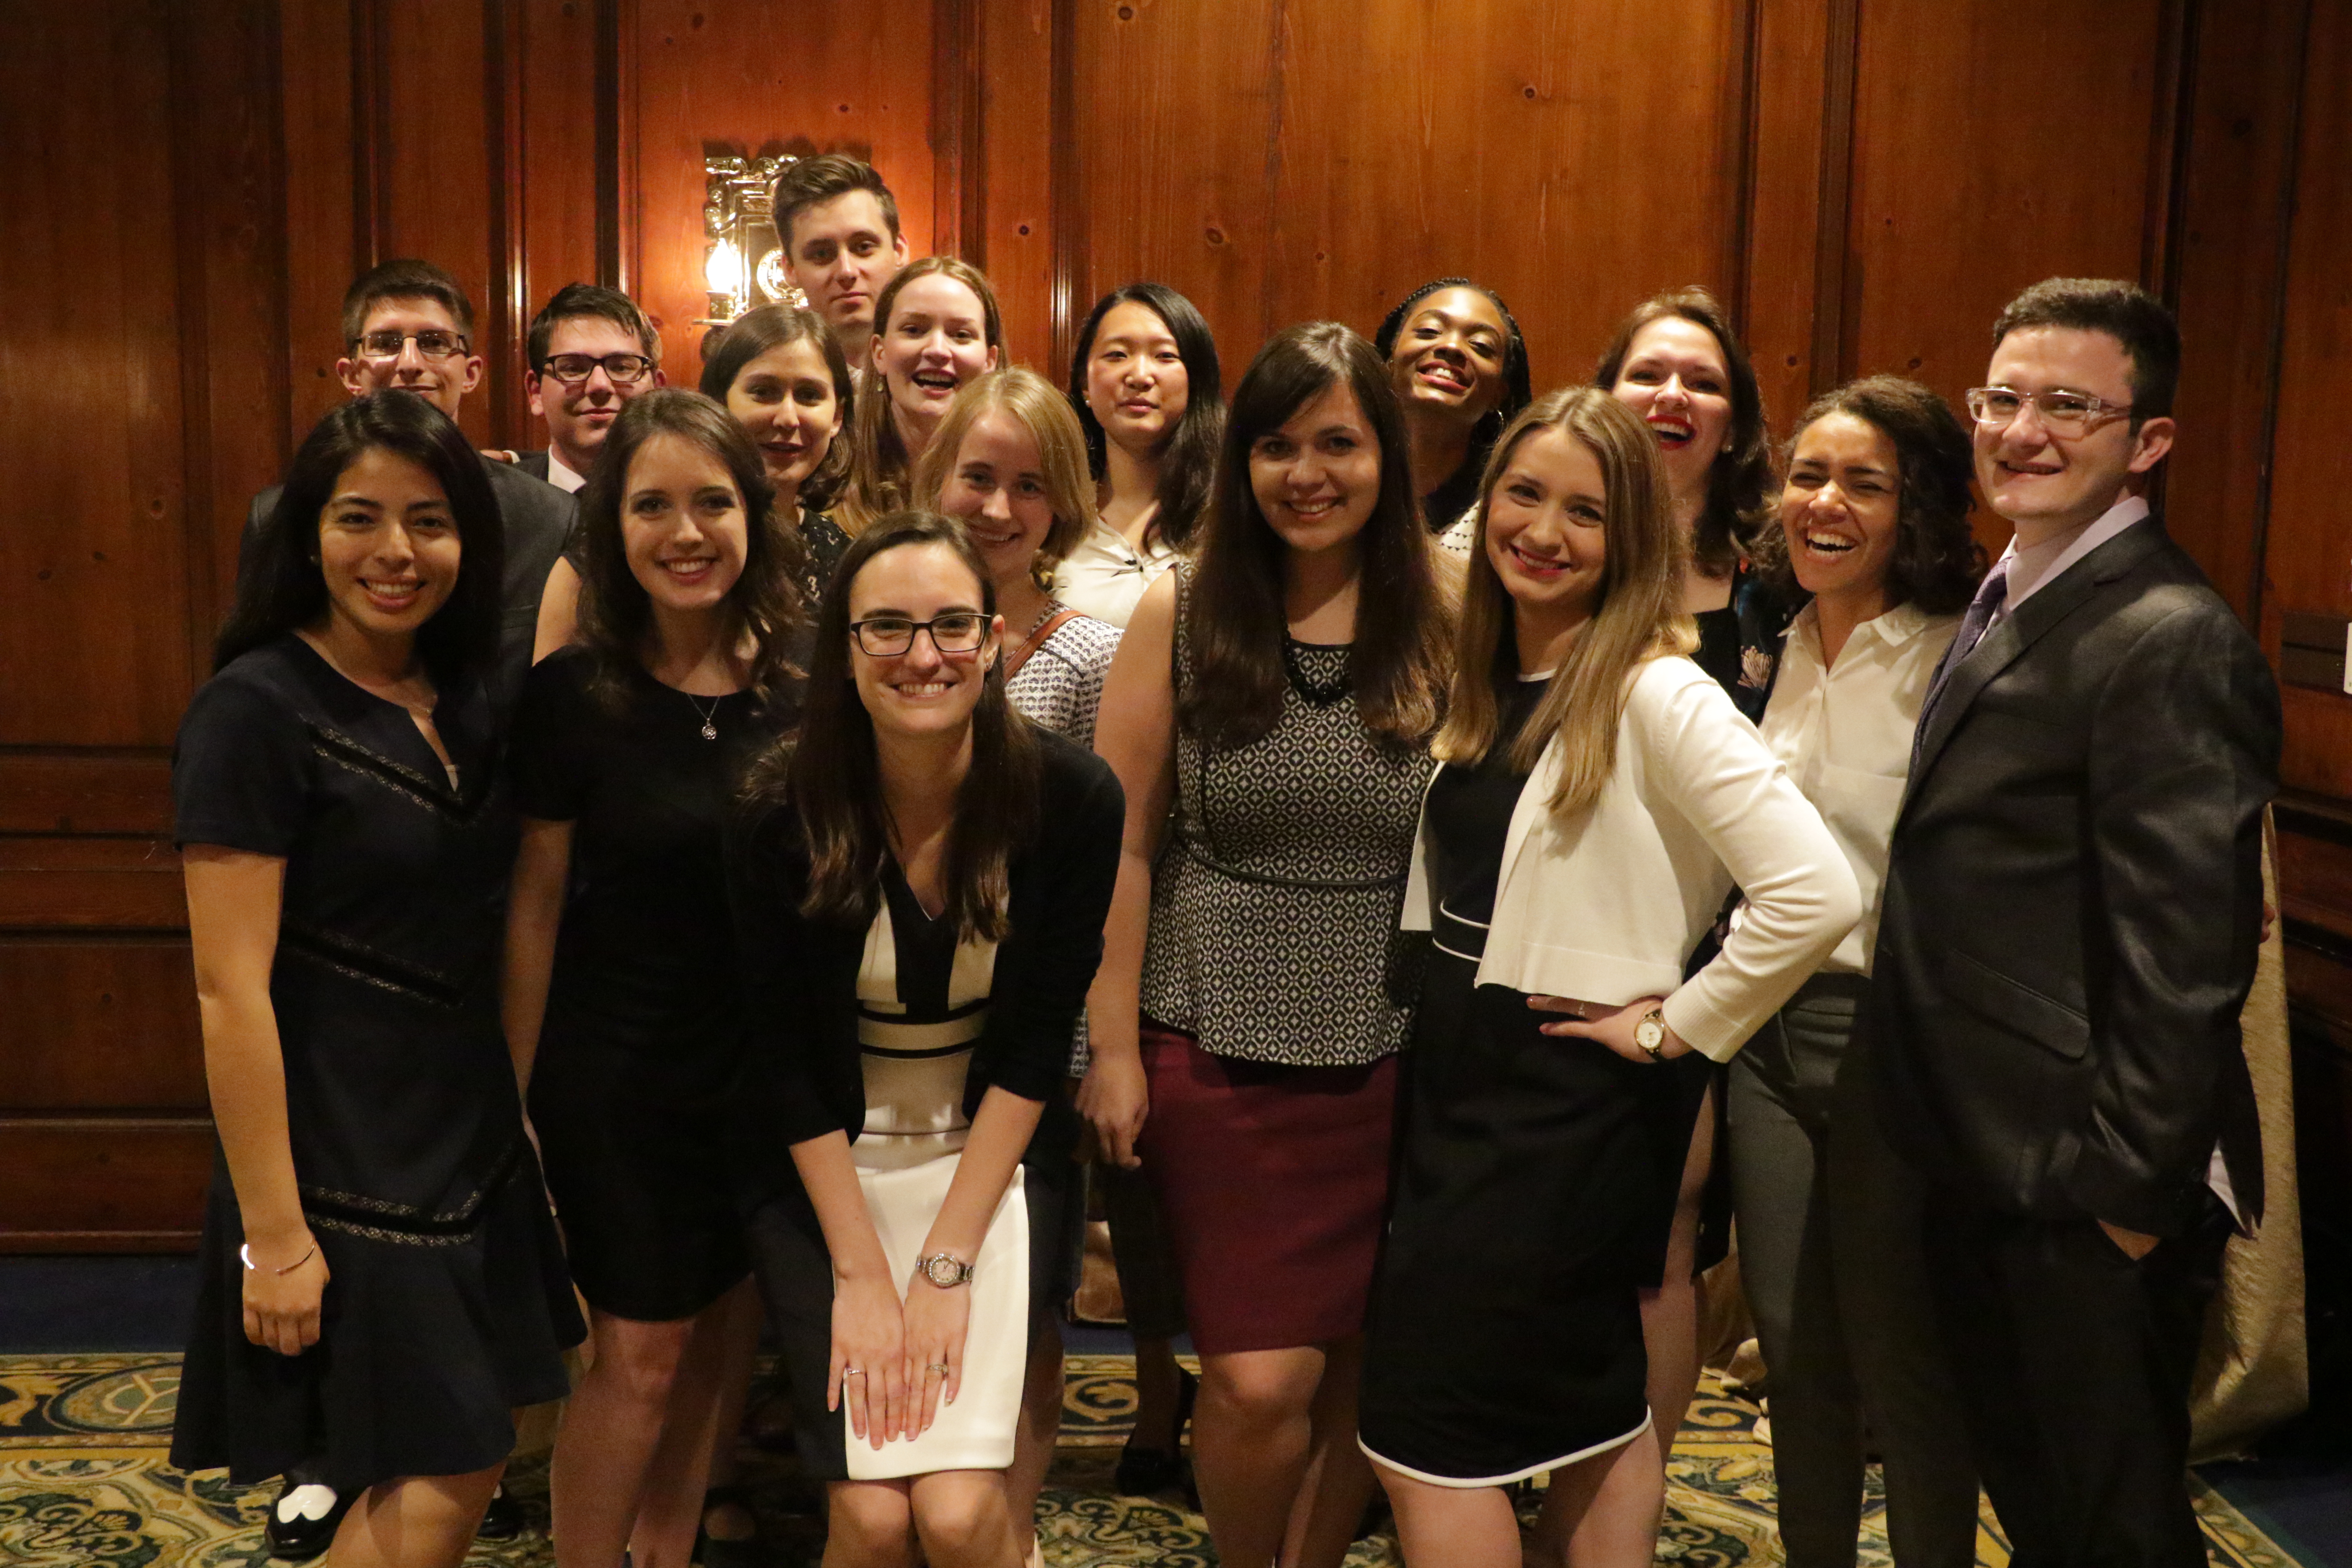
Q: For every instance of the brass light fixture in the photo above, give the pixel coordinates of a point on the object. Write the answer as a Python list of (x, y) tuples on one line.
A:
[(743, 260)]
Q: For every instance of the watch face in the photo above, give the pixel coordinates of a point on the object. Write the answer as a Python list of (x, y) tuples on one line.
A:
[(1650, 1034), (943, 1271)]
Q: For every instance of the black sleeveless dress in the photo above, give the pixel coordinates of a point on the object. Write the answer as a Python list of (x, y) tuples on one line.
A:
[(448, 1303)]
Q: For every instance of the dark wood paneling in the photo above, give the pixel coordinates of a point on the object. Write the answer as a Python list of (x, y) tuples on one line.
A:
[(118, 1185), (92, 421), (2308, 563), (2230, 250), (117, 1021), (128, 884), (766, 77), (83, 794), (1980, 167), (559, 111), (325, 194)]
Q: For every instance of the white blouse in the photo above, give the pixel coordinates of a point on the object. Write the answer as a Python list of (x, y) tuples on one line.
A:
[(1845, 732), (1105, 576), (1604, 906)]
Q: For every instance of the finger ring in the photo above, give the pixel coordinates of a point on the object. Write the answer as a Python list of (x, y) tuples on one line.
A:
[(938, 1366), (853, 1372)]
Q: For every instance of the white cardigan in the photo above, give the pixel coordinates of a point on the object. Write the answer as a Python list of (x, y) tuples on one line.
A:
[(1606, 906)]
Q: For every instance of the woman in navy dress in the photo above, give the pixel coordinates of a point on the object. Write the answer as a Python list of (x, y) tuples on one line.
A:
[(381, 1283), (622, 1013)]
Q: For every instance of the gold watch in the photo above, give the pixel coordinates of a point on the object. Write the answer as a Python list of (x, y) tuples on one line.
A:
[(1650, 1034)]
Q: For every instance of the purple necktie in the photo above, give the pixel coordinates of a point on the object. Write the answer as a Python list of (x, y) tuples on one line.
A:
[(1990, 592)]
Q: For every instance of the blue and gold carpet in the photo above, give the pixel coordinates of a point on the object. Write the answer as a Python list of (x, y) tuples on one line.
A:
[(83, 1484)]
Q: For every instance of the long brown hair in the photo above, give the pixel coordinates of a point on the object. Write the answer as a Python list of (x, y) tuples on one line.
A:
[(616, 614), (1639, 617), (1030, 399), (1233, 613), (879, 482), (1740, 485), (831, 775)]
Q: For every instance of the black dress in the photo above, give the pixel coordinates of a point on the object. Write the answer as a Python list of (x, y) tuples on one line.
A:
[(447, 1303), (644, 1025), (1505, 1335)]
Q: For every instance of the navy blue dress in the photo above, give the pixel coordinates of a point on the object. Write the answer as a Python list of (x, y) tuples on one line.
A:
[(447, 1303)]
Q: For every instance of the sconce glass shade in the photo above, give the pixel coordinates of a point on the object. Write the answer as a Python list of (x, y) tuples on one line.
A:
[(742, 266)]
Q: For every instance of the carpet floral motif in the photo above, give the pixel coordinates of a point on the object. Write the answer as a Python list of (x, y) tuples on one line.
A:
[(84, 1484)]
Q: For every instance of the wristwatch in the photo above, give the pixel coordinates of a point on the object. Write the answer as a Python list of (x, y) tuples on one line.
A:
[(945, 1270), (1650, 1034)]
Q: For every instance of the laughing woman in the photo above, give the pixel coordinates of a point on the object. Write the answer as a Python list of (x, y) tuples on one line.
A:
[(381, 1284), (1461, 373), (1278, 695), (1599, 797), (936, 328), (920, 897), (628, 747)]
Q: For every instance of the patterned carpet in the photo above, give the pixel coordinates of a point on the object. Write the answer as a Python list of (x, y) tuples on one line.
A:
[(83, 1484)]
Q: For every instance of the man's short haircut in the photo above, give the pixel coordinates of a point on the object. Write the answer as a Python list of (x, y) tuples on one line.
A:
[(805, 181), (2127, 312), (404, 279), (577, 301)]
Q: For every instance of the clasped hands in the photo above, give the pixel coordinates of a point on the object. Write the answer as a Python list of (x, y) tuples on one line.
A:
[(895, 1362)]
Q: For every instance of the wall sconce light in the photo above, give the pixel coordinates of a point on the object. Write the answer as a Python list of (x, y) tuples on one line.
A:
[(742, 261)]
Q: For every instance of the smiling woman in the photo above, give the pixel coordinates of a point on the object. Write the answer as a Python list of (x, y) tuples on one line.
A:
[(936, 327), (1460, 372)]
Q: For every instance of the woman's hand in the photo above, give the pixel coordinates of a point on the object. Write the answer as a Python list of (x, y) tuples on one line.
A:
[(1115, 1097), (869, 1375), (1612, 1027), (937, 1321), (282, 1311)]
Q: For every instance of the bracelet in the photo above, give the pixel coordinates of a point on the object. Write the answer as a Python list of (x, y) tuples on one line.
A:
[(245, 1255)]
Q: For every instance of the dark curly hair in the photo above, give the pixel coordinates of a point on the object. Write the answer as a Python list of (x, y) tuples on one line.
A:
[(1937, 561), (1739, 486)]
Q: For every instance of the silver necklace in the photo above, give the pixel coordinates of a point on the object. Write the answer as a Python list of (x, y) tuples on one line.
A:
[(709, 715)]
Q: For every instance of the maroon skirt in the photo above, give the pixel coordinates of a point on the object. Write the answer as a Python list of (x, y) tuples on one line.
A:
[(1274, 1181)]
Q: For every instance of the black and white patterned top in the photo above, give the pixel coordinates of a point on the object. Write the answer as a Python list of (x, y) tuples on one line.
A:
[(1273, 909), (1060, 684), (922, 1006)]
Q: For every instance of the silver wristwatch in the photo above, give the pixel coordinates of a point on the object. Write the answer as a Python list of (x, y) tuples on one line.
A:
[(1650, 1034), (945, 1270)]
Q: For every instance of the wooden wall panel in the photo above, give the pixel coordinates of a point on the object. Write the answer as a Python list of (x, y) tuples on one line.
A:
[(1801, 107), (92, 421), (556, 77), (766, 77), (1014, 174), (330, 212), (1576, 159), (121, 1020), (1980, 167), (2229, 250), (123, 1185), (2307, 563), (1177, 109)]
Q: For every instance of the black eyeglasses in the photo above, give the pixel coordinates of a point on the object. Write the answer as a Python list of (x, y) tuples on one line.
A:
[(432, 342), (625, 369), (887, 636)]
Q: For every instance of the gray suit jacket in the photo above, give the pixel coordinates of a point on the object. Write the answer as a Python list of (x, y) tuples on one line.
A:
[(2073, 897), (538, 520)]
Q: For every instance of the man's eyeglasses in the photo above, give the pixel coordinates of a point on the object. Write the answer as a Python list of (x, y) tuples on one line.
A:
[(2065, 413), (574, 370), (432, 343), (887, 636)]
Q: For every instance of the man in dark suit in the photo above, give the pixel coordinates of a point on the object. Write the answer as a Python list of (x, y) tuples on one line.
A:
[(2072, 915), (592, 350), (408, 326)]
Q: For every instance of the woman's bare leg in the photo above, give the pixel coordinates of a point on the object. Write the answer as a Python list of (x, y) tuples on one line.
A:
[(868, 1525), (609, 1433), (1452, 1527), (965, 1520), (1340, 1480), (1610, 1505), (1033, 1440), (418, 1522), (670, 1507), (1253, 1437)]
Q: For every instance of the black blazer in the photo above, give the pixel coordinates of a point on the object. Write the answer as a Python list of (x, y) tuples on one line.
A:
[(801, 1077), (2074, 900)]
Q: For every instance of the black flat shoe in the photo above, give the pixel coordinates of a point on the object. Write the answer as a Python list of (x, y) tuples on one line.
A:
[(1143, 1471), (502, 1521), (297, 1532)]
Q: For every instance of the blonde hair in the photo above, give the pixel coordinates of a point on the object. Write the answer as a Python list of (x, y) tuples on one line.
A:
[(1639, 617), (879, 481), (1046, 415)]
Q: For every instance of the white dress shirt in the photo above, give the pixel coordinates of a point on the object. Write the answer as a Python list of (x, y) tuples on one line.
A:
[(1843, 732), (2030, 569), (560, 474)]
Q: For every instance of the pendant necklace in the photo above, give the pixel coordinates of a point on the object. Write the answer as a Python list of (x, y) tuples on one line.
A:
[(709, 716)]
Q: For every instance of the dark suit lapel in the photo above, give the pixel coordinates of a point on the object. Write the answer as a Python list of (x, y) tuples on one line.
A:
[(2010, 637)]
